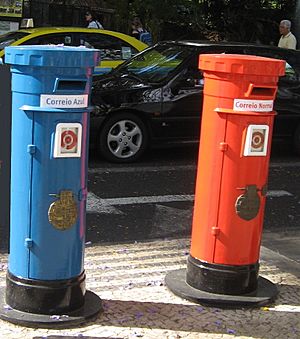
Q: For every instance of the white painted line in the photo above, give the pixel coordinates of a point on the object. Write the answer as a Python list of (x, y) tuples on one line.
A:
[(131, 169), (99, 205), (96, 205), (148, 199), (284, 164), (278, 194)]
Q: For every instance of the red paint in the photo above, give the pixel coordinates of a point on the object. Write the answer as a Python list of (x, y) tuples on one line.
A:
[(219, 235)]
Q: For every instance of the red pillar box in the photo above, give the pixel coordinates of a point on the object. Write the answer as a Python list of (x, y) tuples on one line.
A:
[(231, 186)]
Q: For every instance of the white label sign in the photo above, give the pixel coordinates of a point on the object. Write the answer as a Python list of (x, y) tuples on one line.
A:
[(64, 101), (67, 141), (256, 140), (253, 105)]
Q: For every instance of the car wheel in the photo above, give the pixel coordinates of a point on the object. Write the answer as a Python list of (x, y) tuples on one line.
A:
[(296, 140), (123, 138)]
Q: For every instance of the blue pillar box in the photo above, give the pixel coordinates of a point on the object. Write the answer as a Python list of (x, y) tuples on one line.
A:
[(50, 120)]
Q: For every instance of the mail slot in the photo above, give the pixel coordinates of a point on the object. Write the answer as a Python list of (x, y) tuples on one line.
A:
[(71, 85)]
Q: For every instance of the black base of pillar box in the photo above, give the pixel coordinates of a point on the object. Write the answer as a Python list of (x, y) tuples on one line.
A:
[(61, 303), (222, 279), (232, 288)]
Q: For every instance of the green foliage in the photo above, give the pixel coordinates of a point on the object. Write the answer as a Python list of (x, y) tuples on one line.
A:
[(235, 20)]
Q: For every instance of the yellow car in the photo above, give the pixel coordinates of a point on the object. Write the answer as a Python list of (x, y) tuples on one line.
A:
[(114, 47)]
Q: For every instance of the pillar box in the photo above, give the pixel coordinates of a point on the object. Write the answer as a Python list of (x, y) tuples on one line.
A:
[(45, 282), (231, 184)]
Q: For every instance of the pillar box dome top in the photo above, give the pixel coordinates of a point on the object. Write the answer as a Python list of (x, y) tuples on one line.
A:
[(241, 64), (51, 56)]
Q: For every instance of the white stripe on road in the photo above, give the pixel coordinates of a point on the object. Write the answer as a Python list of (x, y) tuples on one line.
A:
[(123, 169), (278, 194), (148, 199), (98, 205), (130, 169), (284, 164)]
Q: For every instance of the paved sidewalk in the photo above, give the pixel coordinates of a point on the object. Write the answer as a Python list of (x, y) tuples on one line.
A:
[(129, 278)]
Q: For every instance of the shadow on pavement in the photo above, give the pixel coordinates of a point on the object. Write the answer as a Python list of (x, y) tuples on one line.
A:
[(254, 323)]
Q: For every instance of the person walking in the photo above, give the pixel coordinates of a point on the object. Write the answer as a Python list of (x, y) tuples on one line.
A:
[(287, 39), (91, 21)]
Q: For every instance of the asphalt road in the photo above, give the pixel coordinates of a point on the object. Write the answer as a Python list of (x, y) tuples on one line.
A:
[(154, 197)]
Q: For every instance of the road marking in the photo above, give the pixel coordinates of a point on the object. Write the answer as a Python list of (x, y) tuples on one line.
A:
[(130, 169), (148, 199), (278, 194), (284, 164), (99, 205), (123, 169), (96, 205)]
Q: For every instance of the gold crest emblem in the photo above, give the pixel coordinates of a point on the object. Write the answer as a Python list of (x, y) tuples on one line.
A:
[(62, 213)]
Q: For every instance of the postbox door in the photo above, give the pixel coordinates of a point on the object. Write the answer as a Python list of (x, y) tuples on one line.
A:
[(57, 177), (243, 189)]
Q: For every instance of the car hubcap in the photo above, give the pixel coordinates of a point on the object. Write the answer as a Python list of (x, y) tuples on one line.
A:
[(124, 139)]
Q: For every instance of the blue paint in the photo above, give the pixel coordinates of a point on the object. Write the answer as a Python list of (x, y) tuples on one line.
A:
[(38, 250)]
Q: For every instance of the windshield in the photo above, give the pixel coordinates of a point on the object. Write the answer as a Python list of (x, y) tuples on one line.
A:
[(157, 63), (8, 38)]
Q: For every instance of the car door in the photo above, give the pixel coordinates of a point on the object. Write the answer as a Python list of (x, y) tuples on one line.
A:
[(287, 103), (182, 102)]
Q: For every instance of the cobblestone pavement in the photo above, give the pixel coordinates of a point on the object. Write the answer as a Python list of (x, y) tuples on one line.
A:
[(129, 278)]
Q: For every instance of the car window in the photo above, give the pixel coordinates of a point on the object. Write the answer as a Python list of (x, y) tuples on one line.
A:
[(9, 38), (51, 39), (156, 64), (111, 48), (192, 76)]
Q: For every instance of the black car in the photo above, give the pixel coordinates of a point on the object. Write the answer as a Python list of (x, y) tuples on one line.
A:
[(156, 97)]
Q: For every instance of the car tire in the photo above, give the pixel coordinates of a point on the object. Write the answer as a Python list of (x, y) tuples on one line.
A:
[(296, 141), (123, 138)]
